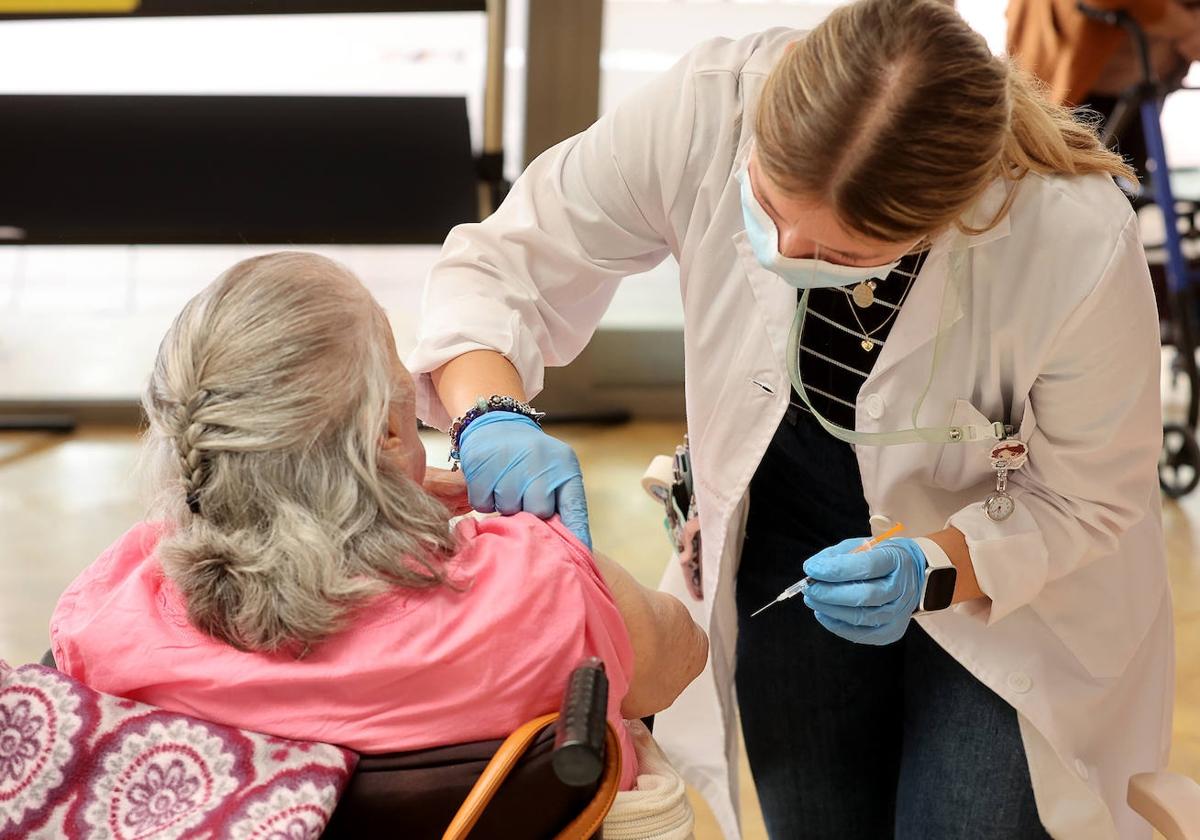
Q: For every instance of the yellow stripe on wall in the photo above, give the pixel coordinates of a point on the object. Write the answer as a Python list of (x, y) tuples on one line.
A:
[(62, 7)]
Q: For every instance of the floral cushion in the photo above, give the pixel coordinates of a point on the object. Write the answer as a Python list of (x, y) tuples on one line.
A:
[(75, 763)]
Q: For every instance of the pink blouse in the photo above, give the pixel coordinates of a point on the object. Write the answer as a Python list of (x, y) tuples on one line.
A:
[(415, 668)]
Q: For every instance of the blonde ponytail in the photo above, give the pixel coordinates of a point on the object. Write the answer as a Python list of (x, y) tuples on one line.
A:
[(1050, 140)]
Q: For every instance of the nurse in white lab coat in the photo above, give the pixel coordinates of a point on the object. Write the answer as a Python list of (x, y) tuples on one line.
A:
[(788, 161)]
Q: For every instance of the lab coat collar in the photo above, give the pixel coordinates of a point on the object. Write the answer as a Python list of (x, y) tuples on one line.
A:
[(982, 213), (919, 320)]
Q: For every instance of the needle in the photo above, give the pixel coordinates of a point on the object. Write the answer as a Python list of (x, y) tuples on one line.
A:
[(798, 586), (803, 584)]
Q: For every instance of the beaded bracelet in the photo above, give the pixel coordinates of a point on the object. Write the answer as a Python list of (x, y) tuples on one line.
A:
[(484, 406)]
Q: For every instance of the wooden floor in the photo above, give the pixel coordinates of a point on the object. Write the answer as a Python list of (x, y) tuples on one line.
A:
[(64, 499)]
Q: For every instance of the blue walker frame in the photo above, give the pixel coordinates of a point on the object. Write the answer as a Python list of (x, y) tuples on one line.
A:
[(1179, 464)]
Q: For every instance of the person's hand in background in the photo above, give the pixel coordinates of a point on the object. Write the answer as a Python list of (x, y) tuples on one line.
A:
[(511, 465), (1188, 43), (1174, 42), (1180, 27)]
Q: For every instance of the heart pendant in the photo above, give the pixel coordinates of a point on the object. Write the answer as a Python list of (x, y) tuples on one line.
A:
[(868, 345)]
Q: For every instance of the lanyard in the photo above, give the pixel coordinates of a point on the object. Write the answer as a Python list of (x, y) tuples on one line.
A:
[(917, 434)]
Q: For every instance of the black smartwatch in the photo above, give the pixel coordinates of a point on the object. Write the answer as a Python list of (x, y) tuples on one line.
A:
[(940, 576)]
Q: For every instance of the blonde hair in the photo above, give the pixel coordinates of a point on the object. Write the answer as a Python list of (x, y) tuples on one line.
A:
[(267, 407), (896, 114)]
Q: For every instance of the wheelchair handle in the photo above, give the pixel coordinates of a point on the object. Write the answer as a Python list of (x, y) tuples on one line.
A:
[(1122, 18), (578, 757)]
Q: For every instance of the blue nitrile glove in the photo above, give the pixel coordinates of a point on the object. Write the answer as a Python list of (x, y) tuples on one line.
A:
[(511, 465), (866, 597)]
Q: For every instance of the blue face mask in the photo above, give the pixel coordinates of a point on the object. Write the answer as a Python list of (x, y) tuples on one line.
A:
[(805, 273)]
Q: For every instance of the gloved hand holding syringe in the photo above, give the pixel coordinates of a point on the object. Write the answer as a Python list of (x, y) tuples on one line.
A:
[(799, 586)]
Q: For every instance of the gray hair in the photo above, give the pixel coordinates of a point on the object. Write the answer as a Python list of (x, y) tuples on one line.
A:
[(267, 407)]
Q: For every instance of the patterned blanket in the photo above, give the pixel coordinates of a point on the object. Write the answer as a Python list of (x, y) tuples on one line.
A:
[(75, 763)]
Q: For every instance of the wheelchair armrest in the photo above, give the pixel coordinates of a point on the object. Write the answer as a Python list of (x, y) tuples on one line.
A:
[(580, 731), (1169, 802), (424, 790)]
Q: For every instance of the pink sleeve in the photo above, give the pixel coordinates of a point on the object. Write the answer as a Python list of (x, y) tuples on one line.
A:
[(553, 592), (610, 636), (607, 638)]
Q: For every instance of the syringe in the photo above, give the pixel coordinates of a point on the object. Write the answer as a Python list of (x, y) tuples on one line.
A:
[(803, 584), (797, 587)]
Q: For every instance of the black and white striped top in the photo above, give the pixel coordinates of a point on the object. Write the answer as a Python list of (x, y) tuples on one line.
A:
[(833, 361)]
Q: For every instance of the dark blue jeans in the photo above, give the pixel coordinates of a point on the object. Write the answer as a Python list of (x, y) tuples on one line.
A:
[(854, 741)]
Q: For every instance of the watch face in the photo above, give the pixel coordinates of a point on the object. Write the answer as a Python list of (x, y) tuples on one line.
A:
[(998, 506), (939, 588)]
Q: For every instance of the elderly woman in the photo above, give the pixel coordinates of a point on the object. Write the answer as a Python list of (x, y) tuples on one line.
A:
[(297, 579)]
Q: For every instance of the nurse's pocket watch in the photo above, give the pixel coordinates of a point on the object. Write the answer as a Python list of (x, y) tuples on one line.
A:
[(1008, 454)]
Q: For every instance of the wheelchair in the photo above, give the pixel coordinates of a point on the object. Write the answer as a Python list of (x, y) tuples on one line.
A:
[(555, 777)]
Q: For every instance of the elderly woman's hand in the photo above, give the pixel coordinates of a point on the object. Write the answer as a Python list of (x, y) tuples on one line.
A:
[(449, 487)]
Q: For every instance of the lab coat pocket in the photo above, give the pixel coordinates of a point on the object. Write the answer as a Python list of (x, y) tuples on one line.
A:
[(963, 465)]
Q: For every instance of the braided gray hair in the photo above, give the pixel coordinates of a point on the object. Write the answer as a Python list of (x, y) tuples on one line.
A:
[(188, 445), (266, 407)]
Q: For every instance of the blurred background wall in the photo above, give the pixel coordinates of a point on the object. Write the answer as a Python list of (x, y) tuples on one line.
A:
[(79, 323)]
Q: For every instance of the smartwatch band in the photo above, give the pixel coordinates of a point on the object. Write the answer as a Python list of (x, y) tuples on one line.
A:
[(937, 591)]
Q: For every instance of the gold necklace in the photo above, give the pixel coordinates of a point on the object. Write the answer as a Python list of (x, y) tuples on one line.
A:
[(867, 343), (864, 294)]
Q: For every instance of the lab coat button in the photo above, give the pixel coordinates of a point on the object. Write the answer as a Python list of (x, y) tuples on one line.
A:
[(1020, 682), (875, 406), (1081, 769)]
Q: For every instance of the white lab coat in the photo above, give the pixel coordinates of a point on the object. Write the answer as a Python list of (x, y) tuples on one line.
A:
[(1057, 317)]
